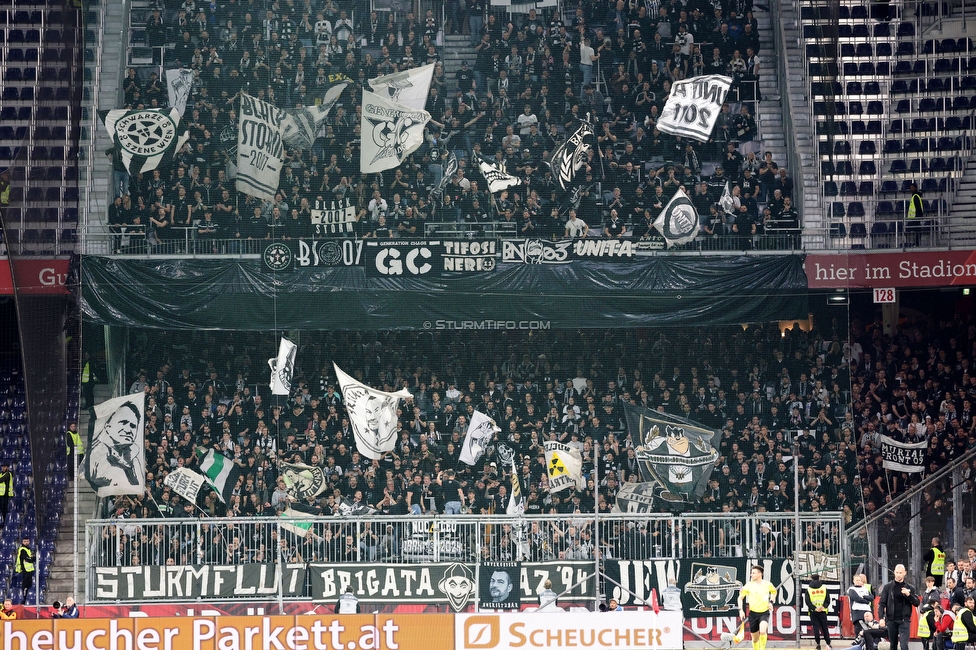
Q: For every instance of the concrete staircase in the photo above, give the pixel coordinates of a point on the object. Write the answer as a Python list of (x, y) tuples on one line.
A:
[(111, 41), (61, 582), (769, 114), (456, 49), (796, 100), (961, 220)]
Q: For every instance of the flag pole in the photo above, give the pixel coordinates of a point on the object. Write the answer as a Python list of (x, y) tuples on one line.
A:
[(596, 520)]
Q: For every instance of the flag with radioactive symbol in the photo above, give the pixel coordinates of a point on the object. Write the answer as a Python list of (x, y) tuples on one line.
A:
[(565, 467)]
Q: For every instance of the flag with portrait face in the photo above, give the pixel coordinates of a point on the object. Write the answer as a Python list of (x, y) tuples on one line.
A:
[(481, 431), (372, 415), (678, 222), (115, 462)]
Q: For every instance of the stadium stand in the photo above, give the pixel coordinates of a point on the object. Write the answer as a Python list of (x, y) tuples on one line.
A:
[(288, 58)]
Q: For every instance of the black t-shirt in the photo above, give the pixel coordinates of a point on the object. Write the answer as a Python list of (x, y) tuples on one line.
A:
[(450, 488)]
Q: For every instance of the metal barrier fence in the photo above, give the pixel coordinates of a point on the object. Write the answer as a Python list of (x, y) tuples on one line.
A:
[(416, 540)]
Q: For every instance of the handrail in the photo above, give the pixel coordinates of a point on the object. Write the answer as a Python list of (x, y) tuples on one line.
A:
[(906, 497), (793, 156)]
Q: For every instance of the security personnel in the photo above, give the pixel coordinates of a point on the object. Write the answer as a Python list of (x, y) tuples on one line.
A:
[(927, 621), (348, 603), (6, 489), (915, 214), (74, 443), (25, 566), (860, 598), (817, 606), (935, 562), (87, 382), (964, 628)]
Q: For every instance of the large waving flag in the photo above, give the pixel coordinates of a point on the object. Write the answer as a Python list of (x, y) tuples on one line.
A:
[(567, 159), (303, 481), (260, 147), (115, 463), (185, 482), (481, 430), (179, 82), (145, 138), (390, 132), (564, 464), (449, 169), (220, 471), (298, 519), (408, 88), (372, 414)]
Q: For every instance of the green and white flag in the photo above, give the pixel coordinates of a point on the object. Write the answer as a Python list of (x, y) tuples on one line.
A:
[(220, 471), (297, 521)]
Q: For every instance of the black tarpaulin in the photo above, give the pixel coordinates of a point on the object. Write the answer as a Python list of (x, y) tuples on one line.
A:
[(240, 294)]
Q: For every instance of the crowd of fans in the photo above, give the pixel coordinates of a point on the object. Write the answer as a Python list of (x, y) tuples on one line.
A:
[(824, 396), (534, 76)]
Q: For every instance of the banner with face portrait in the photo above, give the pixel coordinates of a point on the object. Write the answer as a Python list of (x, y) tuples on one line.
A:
[(303, 481), (372, 414), (499, 585), (481, 431), (283, 367), (115, 462)]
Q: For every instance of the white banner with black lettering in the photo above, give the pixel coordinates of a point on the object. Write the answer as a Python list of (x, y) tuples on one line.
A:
[(334, 217), (260, 147), (693, 106), (903, 456), (185, 482)]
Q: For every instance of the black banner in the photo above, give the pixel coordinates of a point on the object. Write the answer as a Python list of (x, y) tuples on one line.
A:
[(449, 583), (542, 251), (195, 582), (498, 585), (238, 294), (421, 258)]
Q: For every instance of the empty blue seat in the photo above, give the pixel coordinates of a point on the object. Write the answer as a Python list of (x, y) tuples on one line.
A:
[(867, 168), (889, 187)]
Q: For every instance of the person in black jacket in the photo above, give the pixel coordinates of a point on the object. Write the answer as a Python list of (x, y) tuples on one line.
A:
[(818, 604), (898, 598)]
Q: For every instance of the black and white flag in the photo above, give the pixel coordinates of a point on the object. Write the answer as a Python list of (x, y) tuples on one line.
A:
[(678, 222), (303, 481), (450, 167), (301, 124), (372, 414), (693, 106), (283, 367), (903, 456), (568, 158), (145, 138), (564, 465), (390, 132), (481, 431), (408, 88), (185, 482), (115, 462), (179, 82), (497, 179), (727, 202), (260, 147)]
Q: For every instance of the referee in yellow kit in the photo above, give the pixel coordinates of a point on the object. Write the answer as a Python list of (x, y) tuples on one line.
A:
[(758, 593)]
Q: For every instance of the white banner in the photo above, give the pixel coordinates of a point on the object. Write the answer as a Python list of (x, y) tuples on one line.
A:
[(693, 106), (564, 464), (334, 217), (496, 178), (903, 456), (372, 414), (567, 159), (283, 367), (179, 82), (538, 630), (481, 430), (408, 88), (260, 147), (115, 462), (678, 222), (185, 482), (390, 133)]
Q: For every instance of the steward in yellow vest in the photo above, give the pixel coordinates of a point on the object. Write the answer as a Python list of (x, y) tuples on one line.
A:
[(935, 562), (6, 489), (818, 604)]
